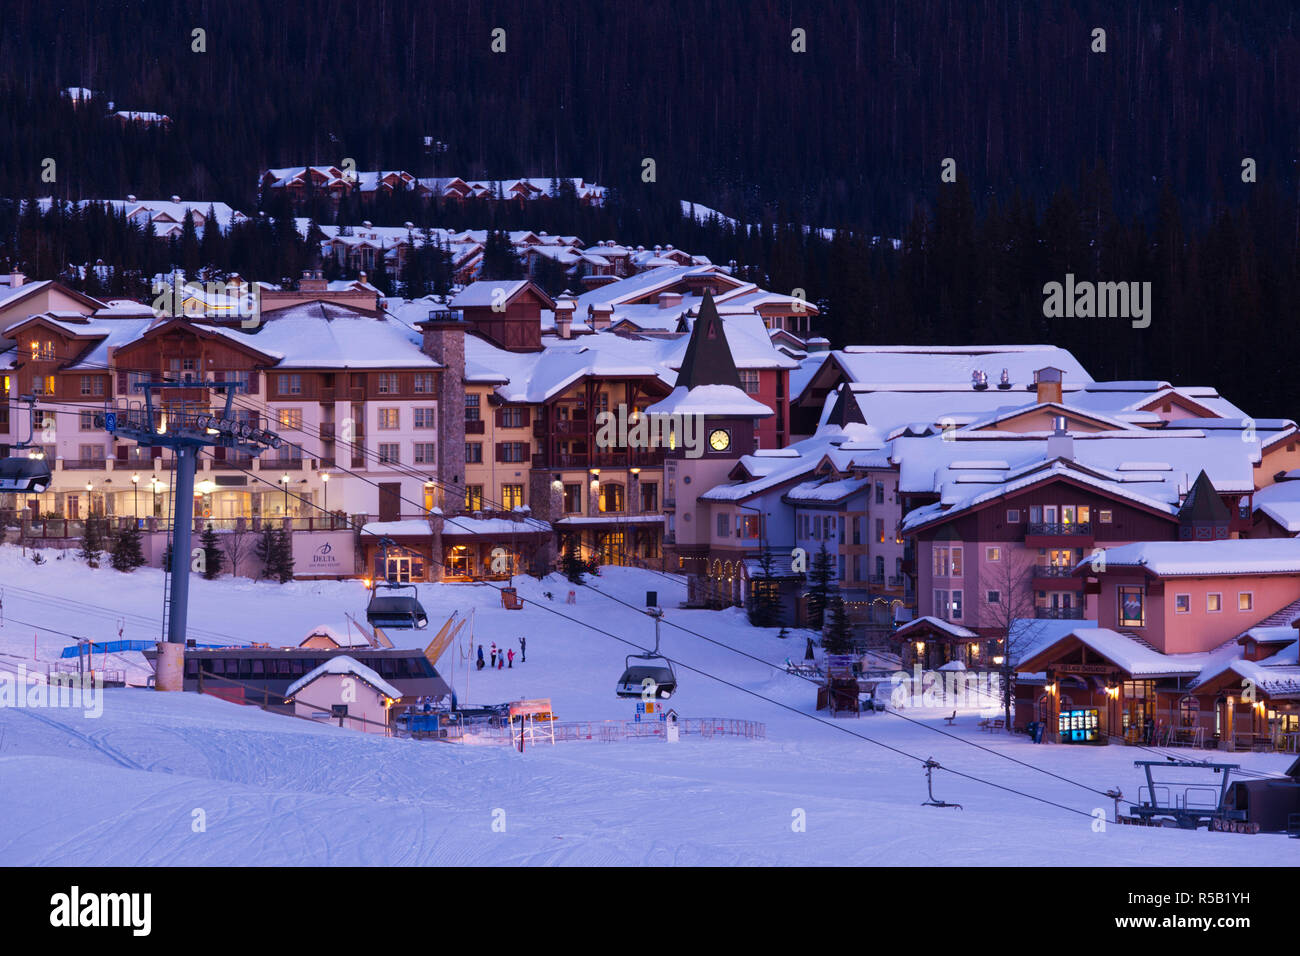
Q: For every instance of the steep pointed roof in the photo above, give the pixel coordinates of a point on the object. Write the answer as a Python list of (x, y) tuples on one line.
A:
[(1203, 503), (708, 359), (846, 410)]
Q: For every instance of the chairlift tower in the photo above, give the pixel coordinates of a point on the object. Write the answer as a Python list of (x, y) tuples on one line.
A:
[(186, 428)]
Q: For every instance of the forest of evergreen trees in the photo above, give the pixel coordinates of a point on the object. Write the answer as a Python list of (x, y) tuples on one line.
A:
[(1123, 165)]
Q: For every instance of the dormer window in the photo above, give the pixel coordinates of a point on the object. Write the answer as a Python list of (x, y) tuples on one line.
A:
[(43, 350)]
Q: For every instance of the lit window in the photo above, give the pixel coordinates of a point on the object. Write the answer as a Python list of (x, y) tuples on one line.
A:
[(1104, 515), (1245, 601), (1214, 602), (993, 554), (388, 418), (512, 496)]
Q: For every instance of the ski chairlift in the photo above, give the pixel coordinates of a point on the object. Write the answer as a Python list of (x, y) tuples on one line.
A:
[(28, 473), (390, 607), (655, 674)]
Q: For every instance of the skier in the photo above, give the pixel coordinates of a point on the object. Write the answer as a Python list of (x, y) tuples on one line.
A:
[(494, 655), (501, 662), (480, 657), (510, 656), (523, 649)]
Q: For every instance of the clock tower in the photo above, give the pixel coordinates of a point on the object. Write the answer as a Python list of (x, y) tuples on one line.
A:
[(715, 421)]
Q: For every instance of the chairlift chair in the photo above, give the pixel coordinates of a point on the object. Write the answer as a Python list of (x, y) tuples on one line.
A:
[(390, 608), (24, 475), (655, 671), (29, 472)]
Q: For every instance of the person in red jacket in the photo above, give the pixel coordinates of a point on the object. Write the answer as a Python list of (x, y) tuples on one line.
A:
[(510, 656)]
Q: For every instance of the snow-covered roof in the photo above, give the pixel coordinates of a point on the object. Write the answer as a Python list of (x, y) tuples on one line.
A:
[(1281, 502), (1137, 658), (1204, 558), (948, 627), (709, 400), (342, 664), (341, 640), (410, 527), (323, 335), (496, 527)]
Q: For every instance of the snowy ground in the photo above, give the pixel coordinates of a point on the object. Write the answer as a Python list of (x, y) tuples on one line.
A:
[(126, 787)]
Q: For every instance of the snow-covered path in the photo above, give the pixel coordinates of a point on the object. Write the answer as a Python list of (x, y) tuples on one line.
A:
[(127, 787)]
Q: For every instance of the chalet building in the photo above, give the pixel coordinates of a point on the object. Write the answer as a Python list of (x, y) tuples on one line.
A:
[(837, 491), (1195, 644), (300, 183), (346, 691), (370, 411)]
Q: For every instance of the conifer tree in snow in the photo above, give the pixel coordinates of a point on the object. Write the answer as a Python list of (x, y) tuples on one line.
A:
[(214, 558), (820, 576), (838, 637), (127, 554), (92, 541)]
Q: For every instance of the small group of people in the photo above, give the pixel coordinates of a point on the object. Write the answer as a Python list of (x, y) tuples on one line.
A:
[(503, 658)]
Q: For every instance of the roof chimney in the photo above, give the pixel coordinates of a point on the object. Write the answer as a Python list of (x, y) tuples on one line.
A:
[(16, 279), (1047, 383), (601, 316), (1005, 381), (565, 303), (1060, 444)]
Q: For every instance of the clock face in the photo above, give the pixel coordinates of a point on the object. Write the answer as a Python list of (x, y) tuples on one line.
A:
[(720, 439)]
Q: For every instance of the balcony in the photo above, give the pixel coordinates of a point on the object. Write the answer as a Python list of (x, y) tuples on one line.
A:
[(1059, 529), (474, 426), (84, 464), (1046, 534), (876, 580), (1058, 613), (896, 580)]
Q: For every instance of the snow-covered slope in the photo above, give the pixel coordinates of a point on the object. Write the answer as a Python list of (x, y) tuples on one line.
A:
[(126, 788)]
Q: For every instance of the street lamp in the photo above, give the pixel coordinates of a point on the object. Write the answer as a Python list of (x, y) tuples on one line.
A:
[(325, 484), (135, 491), (90, 499), (284, 479)]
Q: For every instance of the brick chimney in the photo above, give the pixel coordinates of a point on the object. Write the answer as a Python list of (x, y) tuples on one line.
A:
[(312, 281), (601, 316), (565, 304)]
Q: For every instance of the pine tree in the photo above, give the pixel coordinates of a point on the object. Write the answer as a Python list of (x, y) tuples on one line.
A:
[(265, 551), (571, 564), (214, 558), (820, 577), (764, 599), (838, 638), (92, 541), (127, 554), (282, 556)]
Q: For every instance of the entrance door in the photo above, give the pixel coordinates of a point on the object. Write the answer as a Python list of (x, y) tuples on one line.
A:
[(73, 506), (399, 569), (390, 500)]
